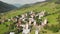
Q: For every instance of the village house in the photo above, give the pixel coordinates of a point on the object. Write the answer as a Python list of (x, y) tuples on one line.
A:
[(31, 20), (41, 14), (2, 21), (31, 12), (34, 23), (44, 22), (26, 29), (26, 14), (18, 22), (37, 31), (12, 33), (9, 19), (23, 16)]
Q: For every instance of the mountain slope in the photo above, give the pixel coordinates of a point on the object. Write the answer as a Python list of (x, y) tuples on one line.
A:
[(4, 7)]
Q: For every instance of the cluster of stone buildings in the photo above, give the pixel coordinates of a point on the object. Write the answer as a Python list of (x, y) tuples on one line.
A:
[(28, 19)]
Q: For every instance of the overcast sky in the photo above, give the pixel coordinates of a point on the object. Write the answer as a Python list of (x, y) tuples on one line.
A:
[(21, 1)]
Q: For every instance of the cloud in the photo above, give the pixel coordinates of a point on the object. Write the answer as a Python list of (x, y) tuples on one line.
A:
[(21, 1)]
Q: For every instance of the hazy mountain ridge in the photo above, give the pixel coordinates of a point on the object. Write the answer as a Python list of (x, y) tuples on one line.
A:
[(17, 5), (4, 7)]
